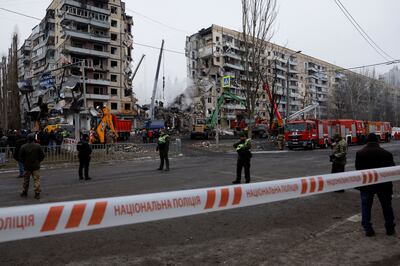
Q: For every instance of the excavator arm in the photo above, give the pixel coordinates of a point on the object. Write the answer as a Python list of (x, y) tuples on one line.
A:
[(221, 100), (105, 122)]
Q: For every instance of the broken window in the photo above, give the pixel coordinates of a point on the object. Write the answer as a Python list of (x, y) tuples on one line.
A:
[(114, 106)]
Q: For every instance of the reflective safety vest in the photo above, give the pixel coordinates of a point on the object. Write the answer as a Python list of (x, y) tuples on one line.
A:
[(163, 139), (245, 145)]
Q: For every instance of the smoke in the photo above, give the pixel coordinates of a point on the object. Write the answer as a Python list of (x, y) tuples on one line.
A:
[(184, 100)]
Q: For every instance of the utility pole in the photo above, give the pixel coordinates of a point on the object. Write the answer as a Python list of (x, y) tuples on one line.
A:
[(288, 84)]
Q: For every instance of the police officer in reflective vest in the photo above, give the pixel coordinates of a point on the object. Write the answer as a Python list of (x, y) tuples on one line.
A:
[(244, 155), (163, 148)]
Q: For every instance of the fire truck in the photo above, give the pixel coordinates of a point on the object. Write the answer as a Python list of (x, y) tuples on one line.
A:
[(307, 134), (382, 129), (353, 131)]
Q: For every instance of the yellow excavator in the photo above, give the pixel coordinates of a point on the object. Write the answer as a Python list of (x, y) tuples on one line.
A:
[(105, 125)]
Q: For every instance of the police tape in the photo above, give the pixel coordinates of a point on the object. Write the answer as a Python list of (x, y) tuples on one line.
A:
[(25, 222)]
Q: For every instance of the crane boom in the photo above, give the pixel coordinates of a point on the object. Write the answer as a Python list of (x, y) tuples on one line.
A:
[(303, 111), (137, 68), (153, 98), (277, 113)]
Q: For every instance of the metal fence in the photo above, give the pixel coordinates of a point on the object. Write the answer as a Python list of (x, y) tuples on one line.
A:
[(67, 153)]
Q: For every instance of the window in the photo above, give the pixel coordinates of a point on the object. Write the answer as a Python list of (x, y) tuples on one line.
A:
[(114, 92), (98, 76), (114, 50), (114, 78), (127, 107), (114, 10), (114, 64), (217, 38), (114, 37), (209, 100), (114, 23), (99, 91), (114, 106), (97, 47), (217, 59)]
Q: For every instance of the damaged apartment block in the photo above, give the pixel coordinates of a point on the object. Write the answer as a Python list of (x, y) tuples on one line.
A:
[(76, 39)]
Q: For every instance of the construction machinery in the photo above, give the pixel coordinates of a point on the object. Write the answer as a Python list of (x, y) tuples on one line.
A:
[(104, 127), (203, 128)]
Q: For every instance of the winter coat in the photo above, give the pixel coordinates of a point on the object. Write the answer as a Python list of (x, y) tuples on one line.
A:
[(243, 148), (373, 156), (84, 150), (31, 155), (340, 152)]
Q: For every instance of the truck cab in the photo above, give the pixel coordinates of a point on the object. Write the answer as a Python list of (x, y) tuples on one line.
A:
[(306, 134)]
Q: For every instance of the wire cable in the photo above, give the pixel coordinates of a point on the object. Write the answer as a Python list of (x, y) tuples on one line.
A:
[(361, 33), (158, 22), (20, 14), (366, 34)]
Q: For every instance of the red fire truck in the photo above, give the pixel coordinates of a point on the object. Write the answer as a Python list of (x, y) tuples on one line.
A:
[(382, 129), (307, 134), (353, 131)]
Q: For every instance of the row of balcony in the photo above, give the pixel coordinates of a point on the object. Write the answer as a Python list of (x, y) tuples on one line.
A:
[(86, 51), (88, 7), (103, 24), (87, 36)]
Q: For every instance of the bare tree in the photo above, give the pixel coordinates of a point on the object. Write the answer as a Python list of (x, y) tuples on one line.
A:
[(258, 17)]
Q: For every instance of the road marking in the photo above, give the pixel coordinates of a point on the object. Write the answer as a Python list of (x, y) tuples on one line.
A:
[(355, 218)]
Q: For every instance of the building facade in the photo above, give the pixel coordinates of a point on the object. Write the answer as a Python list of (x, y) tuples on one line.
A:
[(216, 52), (82, 44)]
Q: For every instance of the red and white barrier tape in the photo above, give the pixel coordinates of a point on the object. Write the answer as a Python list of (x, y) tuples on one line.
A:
[(58, 218)]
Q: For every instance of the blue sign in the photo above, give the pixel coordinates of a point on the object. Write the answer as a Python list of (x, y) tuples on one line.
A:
[(226, 82), (47, 81)]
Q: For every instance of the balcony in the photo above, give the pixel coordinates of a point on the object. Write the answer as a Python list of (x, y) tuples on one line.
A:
[(85, 51), (101, 82), (88, 7), (103, 24), (237, 67), (87, 36), (97, 97), (233, 55)]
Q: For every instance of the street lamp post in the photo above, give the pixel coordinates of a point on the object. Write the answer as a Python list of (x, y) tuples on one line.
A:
[(288, 83)]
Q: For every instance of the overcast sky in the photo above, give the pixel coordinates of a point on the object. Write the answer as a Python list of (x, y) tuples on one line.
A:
[(317, 27)]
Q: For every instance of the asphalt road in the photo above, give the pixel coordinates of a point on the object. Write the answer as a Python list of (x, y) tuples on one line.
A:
[(317, 230)]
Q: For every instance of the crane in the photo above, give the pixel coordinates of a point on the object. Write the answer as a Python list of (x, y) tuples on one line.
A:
[(153, 98)]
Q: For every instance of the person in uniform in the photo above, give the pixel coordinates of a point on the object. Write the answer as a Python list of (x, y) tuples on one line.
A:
[(338, 156), (84, 152), (163, 149), (370, 157), (243, 148), (31, 155)]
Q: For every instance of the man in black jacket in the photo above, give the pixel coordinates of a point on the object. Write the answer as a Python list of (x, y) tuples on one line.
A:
[(373, 156), (84, 152), (243, 148)]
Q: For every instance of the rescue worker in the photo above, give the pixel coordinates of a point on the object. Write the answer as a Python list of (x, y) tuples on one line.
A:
[(338, 157), (243, 148), (31, 154), (373, 156), (84, 152), (163, 149)]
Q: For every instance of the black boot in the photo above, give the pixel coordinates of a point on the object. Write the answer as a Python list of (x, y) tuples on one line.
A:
[(24, 194), (37, 195), (236, 181)]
